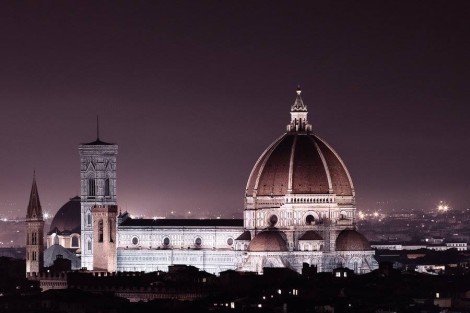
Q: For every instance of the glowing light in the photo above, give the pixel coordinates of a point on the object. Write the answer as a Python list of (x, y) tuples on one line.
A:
[(442, 207), (46, 215), (376, 214)]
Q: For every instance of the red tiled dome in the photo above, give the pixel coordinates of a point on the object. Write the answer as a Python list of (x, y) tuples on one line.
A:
[(351, 240), (270, 240), (299, 163)]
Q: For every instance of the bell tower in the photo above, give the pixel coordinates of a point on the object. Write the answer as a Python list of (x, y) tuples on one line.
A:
[(34, 233), (97, 188)]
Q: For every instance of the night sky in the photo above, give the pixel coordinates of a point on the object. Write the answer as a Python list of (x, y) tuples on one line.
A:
[(193, 92)]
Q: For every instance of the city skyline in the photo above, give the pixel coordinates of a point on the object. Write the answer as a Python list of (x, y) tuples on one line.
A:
[(193, 94)]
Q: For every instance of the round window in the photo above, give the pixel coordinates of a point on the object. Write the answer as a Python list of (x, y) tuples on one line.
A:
[(166, 241), (198, 241), (272, 220), (230, 241), (309, 219), (135, 240)]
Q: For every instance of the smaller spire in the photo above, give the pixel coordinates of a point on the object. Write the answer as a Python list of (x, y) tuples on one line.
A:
[(34, 206)]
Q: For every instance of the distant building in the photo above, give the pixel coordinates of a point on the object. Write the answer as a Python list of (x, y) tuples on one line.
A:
[(299, 208), (437, 244)]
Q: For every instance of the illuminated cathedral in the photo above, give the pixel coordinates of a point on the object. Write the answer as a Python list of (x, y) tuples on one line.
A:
[(299, 208)]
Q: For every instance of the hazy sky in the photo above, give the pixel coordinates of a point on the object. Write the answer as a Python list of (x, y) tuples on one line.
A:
[(194, 91)]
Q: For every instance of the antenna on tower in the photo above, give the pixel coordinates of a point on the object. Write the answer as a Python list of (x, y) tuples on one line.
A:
[(97, 127)]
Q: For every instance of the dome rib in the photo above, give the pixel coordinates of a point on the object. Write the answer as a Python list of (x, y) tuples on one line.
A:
[(273, 176), (259, 166), (291, 166), (325, 165), (344, 188)]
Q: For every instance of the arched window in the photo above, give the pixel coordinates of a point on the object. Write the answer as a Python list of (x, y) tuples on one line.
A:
[(89, 245), (100, 231), (310, 219), (74, 241), (33, 239), (91, 187), (107, 191), (88, 218)]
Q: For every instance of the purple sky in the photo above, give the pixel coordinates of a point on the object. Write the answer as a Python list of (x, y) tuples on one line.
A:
[(193, 92)]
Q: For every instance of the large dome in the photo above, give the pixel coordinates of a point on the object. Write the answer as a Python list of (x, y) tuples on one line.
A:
[(299, 163), (68, 217), (351, 240)]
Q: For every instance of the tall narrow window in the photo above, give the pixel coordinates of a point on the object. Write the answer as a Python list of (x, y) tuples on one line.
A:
[(110, 230), (91, 187), (88, 218), (33, 239), (107, 191), (34, 255), (100, 231), (89, 245)]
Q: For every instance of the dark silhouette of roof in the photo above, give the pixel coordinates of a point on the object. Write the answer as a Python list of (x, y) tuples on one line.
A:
[(245, 236), (98, 142)]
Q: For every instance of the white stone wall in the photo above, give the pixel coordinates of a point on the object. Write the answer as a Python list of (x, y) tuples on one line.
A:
[(179, 237), (148, 260)]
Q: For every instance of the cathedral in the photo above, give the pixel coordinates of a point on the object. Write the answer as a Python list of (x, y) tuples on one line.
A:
[(299, 208)]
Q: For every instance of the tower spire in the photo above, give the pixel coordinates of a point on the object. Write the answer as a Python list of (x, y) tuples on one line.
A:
[(34, 232), (34, 205), (97, 128), (298, 113)]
